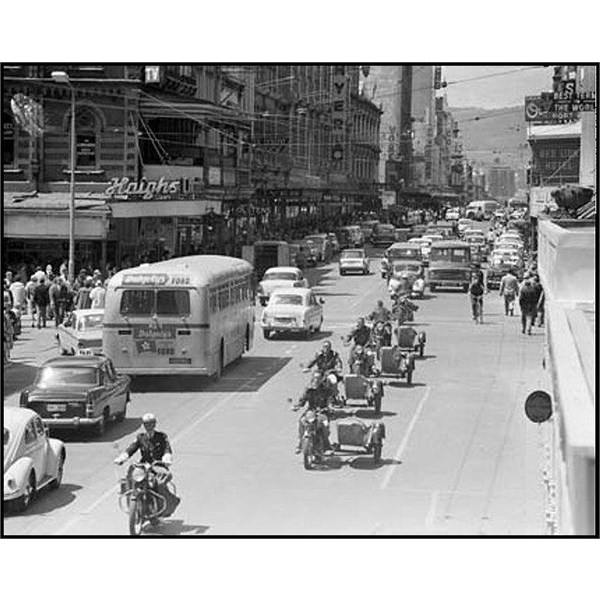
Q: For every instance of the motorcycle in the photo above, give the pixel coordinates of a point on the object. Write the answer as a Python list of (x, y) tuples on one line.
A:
[(138, 495), (316, 423), (331, 378), (403, 309)]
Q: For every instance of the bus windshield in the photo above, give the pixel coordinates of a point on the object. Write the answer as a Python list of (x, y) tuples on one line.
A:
[(159, 302), (455, 255)]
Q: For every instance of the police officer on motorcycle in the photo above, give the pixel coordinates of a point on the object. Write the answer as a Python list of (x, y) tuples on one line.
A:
[(153, 446), (329, 363), (360, 334), (316, 397), (381, 313)]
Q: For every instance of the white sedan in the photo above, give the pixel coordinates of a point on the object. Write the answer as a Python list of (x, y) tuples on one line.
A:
[(81, 332), (354, 259), (292, 310), (277, 277), (32, 460)]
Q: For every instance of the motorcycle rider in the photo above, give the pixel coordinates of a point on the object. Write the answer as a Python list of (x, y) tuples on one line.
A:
[(381, 313), (153, 446), (329, 363), (360, 334), (316, 396), (362, 362)]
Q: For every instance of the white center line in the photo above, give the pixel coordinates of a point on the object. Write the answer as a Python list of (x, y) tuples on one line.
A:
[(404, 442)]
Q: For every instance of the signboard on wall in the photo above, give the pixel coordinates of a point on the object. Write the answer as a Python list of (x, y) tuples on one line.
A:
[(388, 198), (542, 109), (338, 116), (540, 200)]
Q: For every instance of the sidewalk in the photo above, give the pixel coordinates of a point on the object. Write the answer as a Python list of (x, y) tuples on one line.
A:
[(31, 349)]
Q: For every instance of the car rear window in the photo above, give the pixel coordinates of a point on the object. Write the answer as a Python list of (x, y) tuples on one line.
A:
[(290, 299), (161, 302), (353, 254), (278, 276), (51, 377), (92, 322)]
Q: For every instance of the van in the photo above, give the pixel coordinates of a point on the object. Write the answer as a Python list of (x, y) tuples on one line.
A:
[(481, 209), (450, 265)]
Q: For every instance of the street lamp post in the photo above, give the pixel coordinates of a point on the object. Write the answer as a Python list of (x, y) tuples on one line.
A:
[(62, 77)]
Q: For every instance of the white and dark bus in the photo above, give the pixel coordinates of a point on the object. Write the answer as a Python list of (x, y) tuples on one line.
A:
[(191, 315)]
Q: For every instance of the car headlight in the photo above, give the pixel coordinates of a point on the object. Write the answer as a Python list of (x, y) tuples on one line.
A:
[(138, 474), (11, 484)]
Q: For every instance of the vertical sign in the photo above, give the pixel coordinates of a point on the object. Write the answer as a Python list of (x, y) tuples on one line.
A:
[(338, 116)]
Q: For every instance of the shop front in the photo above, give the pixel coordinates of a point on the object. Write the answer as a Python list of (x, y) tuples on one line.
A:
[(36, 231)]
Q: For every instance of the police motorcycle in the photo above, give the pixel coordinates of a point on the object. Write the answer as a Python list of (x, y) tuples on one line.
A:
[(330, 378), (140, 493)]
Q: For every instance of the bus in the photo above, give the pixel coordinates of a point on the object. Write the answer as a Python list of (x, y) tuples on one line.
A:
[(190, 315)]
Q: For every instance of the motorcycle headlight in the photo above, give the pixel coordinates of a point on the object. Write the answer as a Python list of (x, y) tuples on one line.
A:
[(138, 474)]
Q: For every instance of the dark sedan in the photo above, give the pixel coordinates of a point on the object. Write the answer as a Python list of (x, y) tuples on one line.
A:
[(78, 392)]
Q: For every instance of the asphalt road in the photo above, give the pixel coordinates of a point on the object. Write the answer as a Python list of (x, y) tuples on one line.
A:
[(459, 458)]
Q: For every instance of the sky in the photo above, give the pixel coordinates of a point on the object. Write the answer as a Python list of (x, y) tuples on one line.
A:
[(495, 89)]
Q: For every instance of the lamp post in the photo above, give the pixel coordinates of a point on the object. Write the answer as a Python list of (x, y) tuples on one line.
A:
[(62, 77)]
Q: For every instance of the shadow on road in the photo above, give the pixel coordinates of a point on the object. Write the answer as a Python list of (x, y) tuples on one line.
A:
[(114, 431), (369, 413), (18, 376), (177, 527), (402, 384), (48, 500), (366, 463), (246, 375)]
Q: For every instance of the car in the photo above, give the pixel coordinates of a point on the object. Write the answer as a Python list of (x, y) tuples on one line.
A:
[(452, 214), (400, 251), (306, 252), (500, 214), (464, 224), (368, 229), (78, 392), (354, 260), (277, 277), (292, 310), (425, 244), (313, 249), (412, 269), (508, 245), (32, 459), (352, 235), (81, 332), (322, 244), (384, 234)]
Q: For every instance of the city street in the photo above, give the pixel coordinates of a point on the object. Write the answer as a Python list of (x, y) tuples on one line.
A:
[(460, 457)]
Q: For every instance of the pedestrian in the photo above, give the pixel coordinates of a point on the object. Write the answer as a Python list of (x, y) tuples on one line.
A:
[(17, 289), (29, 289), (539, 318), (83, 295), (97, 295), (509, 289), (476, 292), (528, 304), (49, 274), (8, 279), (41, 299)]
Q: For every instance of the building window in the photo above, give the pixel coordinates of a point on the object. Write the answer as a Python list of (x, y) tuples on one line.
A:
[(8, 140), (86, 139)]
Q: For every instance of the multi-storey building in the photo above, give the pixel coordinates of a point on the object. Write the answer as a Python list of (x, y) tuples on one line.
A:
[(501, 182)]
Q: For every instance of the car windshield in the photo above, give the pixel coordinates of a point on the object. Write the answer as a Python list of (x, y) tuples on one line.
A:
[(408, 268), (289, 299), (51, 377), (455, 255), (404, 252), (281, 275), (352, 254), (92, 322)]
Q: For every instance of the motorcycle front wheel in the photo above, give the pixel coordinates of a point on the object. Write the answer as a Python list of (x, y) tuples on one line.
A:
[(135, 517), (307, 454)]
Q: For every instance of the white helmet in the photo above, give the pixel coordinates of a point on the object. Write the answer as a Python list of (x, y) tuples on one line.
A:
[(149, 418)]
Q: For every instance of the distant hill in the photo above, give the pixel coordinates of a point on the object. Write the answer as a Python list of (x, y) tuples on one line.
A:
[(494, 135)]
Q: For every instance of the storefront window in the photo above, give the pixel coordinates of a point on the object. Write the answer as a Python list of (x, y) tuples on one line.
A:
[(8, 140)]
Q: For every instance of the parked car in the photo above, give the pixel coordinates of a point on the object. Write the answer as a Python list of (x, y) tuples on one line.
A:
[(74, 392), (323, 245), (81, 332), (277, 277), (354, 260), (294, 310), (32, 459)]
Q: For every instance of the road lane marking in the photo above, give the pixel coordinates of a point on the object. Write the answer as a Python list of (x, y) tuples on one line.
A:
[(432, 509), (404, 442), (115, 487)]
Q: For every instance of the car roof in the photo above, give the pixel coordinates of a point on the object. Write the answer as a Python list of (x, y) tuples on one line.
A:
[(295, 270), (75, 361), (83, 312), (450, 244), (15, 416), (401, 246)]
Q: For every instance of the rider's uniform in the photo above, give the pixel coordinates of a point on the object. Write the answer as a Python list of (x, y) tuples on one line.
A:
[(316, 398), (326, 361), (151, 447)]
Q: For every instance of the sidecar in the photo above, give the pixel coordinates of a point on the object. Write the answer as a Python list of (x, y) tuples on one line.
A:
[(409, 340), (359, 434), (358, 387), (397, 363)]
